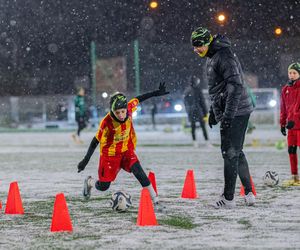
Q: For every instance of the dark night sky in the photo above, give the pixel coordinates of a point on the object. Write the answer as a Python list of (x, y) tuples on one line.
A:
[(50, 40)]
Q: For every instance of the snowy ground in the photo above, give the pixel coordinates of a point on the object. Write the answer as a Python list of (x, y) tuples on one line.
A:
[(44, 164)]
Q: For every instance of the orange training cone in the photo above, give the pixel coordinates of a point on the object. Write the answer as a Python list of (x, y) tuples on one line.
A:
[(61, 220), (189, 189), (14, 201), (146, 214), (242, 190), (152, 179)]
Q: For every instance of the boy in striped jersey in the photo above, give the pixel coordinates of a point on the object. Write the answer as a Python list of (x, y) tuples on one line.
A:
[(117, 140)]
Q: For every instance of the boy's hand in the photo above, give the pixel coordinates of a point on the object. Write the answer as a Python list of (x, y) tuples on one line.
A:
[(283, 131), (161, 90), (290, 124), (81, 165)]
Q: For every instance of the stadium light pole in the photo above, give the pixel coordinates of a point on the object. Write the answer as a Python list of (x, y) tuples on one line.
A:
[(93, 64), (137, 67)]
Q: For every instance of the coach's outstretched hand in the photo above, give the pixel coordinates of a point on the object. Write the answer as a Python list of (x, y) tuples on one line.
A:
[(161, 90), (81, 165)]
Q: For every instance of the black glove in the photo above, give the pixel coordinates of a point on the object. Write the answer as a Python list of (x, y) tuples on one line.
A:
[(283, 131), (81, 165), (212, 119), (226, 123), (290, 124), (161, 90)]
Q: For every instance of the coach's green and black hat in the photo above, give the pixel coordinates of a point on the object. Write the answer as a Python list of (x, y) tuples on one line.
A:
[(295, 66), (201, 37), (118, 101)]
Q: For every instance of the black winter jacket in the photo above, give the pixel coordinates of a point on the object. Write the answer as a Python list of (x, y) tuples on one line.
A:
[(226, 86), (194, 103)]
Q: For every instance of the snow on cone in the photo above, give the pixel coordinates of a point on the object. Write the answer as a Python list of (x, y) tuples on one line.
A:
[(189, 188), (146, 214), (152, 179), (242, 190), (61, 220), (14, 202)]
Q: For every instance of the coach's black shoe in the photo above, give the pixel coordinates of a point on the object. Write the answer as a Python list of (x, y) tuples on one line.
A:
[(87, 187)]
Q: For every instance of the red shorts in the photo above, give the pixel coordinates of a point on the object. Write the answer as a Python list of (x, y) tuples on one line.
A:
[(109, 166), (293, 137)]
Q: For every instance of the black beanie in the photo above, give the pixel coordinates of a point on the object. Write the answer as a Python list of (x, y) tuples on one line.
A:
[(201, 37), (118, 101), (295, 66)]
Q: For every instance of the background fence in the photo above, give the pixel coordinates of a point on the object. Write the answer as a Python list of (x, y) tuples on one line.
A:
[(59, 111)]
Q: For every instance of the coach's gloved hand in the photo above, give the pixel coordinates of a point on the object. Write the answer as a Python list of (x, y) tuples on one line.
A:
[(161, 90), (212, 119), (283, 131), (81, 165), (226, 123), (290, 124)]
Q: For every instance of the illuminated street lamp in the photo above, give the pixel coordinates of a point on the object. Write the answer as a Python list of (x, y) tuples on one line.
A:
[(221, 18), (153, 4), (278, 31)]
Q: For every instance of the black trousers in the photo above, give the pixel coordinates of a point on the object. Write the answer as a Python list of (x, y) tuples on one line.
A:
[(235, 162), (202, 124), (81, 124)]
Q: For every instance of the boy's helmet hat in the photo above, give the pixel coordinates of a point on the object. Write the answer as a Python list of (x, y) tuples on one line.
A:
[(118, 101)]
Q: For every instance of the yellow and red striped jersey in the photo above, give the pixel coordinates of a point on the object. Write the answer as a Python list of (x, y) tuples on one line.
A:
[(115, 137)]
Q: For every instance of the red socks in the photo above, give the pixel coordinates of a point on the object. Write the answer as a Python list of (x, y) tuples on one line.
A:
[(294, 163)]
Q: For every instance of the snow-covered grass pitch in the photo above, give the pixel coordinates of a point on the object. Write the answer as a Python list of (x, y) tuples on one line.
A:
[(44, 164)]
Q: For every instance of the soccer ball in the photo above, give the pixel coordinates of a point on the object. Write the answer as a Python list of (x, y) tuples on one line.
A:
[(120, 201), (271, 178)]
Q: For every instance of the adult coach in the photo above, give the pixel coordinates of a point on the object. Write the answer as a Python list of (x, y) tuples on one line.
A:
[(231, 106)]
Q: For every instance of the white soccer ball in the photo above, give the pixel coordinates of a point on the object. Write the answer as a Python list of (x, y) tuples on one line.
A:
[(271, 178), (120, 201)]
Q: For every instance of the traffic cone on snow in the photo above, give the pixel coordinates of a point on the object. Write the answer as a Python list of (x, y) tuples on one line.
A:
[(146, 214), (242, 190), (189, 189), (61, 220), (152, 179), (14, 201)]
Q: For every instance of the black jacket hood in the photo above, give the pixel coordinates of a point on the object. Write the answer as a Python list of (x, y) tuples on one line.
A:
[(218, 42)]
